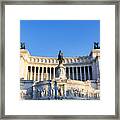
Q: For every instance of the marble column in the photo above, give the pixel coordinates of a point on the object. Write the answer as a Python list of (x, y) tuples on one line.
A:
[(68, 72), (31, 73), (88, 73), (76, 73), (80, 74), (73, 73), (38, 73), (34, 73), (84, 74), (42, 78), (43, 73), (50, 73), (54, 73)]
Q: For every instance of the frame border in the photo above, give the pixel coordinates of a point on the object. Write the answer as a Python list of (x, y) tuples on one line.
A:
[(60, 2)]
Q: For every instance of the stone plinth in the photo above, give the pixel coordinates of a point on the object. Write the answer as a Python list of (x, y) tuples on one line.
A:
[(61, 74)]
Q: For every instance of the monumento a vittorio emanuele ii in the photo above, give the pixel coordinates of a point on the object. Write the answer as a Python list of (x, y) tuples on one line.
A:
[(50, 78)]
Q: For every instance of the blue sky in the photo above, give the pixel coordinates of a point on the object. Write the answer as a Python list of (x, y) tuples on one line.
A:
[(47, 37)]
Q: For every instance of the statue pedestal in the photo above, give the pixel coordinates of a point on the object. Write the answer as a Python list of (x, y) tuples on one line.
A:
[(61, 74)]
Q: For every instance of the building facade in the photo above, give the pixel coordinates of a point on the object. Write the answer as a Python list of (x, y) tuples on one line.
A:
[(44, 68)]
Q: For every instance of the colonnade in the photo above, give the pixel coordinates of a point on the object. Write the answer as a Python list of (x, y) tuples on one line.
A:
[(79, 73), (40, 73), (48, 73)]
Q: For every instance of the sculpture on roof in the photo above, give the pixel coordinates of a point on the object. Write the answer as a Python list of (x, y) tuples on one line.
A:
[(22, 45), (96, 45), (60, 57)]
